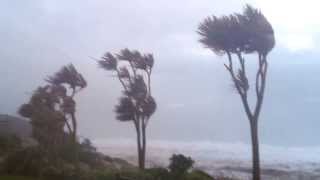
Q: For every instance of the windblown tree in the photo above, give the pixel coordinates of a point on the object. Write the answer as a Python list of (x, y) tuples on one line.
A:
[(72, 81), (51, 108), (236, 35), (137, 105), (47, 119)]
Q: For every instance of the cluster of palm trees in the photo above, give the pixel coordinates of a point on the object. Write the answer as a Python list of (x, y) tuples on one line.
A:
[(235, 35)]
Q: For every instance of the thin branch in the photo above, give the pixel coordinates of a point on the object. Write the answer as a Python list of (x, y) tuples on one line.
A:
[(73, 92), (243, 95), (121, 81), (263, 74), (233, 76), (134, 70), (242, 62), (258, 85), (149, 81), (259, 77), (68, 125)]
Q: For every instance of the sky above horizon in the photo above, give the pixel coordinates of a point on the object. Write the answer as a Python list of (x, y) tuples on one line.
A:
[(195, 97)]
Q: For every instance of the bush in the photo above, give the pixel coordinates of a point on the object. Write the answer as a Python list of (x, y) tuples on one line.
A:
[(135, 175), (28, 161), (159, 173), (67, 171), (52, 172), (16, 178), (106, 175), (124, 175), (180, 164), (9, 144), (31, 161), (198, 175)]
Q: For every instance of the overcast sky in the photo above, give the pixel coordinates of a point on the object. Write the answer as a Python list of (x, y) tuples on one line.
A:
[(196, 100)]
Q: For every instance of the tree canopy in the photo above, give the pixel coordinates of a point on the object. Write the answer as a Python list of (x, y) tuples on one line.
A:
[(247, 32)]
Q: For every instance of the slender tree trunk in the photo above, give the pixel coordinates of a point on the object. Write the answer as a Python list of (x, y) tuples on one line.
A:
[(144, 145), (139, 143), (253, 115), (255, 150), (74, 137), (74, 125)]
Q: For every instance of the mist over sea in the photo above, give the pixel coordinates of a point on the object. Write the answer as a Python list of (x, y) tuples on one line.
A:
[(223, 158)]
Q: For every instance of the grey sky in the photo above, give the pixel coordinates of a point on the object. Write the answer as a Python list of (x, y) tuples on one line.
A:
[(195, 97)]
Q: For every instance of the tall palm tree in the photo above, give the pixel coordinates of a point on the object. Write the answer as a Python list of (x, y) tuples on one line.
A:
[(52, 106), (137, 105), (70, 77), (236, 35)]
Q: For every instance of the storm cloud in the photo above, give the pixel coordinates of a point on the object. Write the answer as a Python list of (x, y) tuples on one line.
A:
[(196, 100)]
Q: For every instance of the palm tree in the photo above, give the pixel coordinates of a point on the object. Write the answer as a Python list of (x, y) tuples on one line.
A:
[(133, 70), (51, 107), (236, 35), (69, 76)]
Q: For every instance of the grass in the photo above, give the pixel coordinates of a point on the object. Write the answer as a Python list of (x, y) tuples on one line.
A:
[(15, 178)]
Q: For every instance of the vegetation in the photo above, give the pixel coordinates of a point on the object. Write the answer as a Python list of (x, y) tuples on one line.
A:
[(69, 78), (51, 109), (30, 164), (9, 143), (179, 165), (133, 70), (16, 178), (237, 35)]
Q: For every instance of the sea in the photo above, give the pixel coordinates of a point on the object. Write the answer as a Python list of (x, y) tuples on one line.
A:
[(221, 158)]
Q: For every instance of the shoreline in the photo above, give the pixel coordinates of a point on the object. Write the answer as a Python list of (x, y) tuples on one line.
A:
[(231, 159)]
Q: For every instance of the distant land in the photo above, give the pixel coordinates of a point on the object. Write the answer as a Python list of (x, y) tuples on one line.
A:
[(11, 125)]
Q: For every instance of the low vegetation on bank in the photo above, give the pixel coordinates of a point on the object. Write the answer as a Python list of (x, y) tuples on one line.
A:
[(20, 162)]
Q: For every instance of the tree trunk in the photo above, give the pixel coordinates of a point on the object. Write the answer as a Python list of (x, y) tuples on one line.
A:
[(143, 145), (139, 148), (74, 124), (255, 150), (242, 87), (74, 139)]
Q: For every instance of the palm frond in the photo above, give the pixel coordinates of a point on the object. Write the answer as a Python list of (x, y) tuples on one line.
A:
[(68, 75), (138, 89), (260, 32), (148, 106), (247, 32), (108, 62), (125, 110)]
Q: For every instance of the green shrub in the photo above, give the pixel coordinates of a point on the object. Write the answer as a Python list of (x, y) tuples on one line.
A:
[(9, 144), (68, 171), (51, 172), (159, 173), (124, 175), (179, 165), (135, 175), (106, 175), (16, 178), (28, 161), (198, 175)]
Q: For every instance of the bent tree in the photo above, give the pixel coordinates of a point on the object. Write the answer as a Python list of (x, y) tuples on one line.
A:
[(137, 105), (52, 107), (47, 120), (72, 82), (236, 35)]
